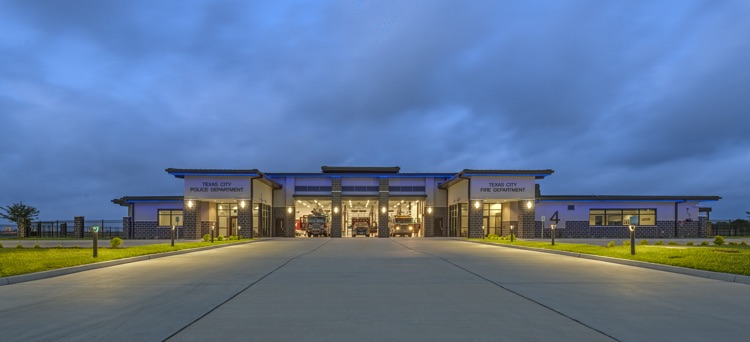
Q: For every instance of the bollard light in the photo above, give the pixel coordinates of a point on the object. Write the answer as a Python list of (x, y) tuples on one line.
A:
[(239, 236), (511, 233), (552, 226), (212, 232), (632, 239), (172, 235)]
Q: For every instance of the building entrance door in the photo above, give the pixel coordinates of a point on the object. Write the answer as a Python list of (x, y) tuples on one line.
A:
[(279, 227), (438, 227), (233, 225)]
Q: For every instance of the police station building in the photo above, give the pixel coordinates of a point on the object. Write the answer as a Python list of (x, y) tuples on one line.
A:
[(470, 203)]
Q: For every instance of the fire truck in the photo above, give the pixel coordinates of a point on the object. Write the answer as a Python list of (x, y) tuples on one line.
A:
[(360, 226), (315, 224), (404, 225)]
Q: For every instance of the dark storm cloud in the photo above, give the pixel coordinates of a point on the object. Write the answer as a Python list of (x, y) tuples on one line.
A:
[(98, 97)]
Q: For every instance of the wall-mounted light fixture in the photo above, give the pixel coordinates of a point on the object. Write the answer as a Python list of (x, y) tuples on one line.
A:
[(336, 210), (242, 204), (476, 204), (382, 210), (190, 204), (529, 204), (289, 210), (429, 210)]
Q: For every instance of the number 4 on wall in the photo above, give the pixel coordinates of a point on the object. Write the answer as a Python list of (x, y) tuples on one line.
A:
[(555, 217)]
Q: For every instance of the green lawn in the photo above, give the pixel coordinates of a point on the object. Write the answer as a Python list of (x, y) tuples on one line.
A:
[(15, 261), (733, 259)]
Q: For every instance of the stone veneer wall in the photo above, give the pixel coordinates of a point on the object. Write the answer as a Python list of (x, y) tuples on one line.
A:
[(383, 230), (190, 220), (475, 219), (280, 213), (336, 229), (289, 223), (663, 229), (78, 223), (245, 219), (526, 224), (703, 226), (151, 230), (126, 228), (439, 212)]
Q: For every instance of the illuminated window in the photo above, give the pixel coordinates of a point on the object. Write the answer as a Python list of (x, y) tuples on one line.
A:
[(169, 217), (620, 217)]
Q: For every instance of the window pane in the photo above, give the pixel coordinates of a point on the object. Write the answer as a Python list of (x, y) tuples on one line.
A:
[(614, 217), (164, 218), (648, 217)]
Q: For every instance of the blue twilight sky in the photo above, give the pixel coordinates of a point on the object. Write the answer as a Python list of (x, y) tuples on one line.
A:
[(631, 97)]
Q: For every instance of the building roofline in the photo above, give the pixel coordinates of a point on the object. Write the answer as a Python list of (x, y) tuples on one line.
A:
[(126, 200), (361, 169), (625, 198)]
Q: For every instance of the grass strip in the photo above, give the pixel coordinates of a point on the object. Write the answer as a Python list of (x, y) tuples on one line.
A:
[(16, 261), (726, 259)]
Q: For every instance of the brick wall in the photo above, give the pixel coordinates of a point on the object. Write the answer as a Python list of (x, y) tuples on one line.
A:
[(126, 228), (244, 220)]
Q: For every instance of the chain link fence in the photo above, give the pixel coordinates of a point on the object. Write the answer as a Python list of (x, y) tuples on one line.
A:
[(730, 227)]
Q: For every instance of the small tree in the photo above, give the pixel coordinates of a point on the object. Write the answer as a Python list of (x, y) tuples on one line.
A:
[(21, 214)]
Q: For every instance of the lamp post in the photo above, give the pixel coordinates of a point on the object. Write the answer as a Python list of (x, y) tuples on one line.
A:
[(552, 226), (632, 239), (95, 235), (212, 232), (174, 227), (511, 233), (239, 236)]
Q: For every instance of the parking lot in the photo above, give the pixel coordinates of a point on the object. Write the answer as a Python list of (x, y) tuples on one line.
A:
[(373, 290)]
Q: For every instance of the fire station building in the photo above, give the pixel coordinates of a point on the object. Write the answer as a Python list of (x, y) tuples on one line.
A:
[(470, 203)]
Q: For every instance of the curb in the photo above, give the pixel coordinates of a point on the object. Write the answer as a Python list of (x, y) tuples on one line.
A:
[(21, 278), (728, 277)]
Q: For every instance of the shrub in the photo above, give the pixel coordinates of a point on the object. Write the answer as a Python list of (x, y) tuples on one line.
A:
[(493, 236), (36, 245), (659, 243), (644, 242), (672, 243), (58, 246), (689, 243), (19, 246), (115, 242), (626, 243), (718, 240), (733, 243), (206, 237), (1, 245), (704, 243), (741, 243), (611, 244), (233, 237), (77, 247), (221, 238)]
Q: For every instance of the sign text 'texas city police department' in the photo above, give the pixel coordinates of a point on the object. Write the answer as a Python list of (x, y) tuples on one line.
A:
[(217, 187)]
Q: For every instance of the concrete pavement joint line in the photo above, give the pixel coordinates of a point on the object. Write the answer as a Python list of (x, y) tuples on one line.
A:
[(21, 278), (728, 277), (243, 290), (511, 291)]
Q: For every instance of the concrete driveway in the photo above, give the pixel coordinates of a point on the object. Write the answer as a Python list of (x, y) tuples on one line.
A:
[(399, 289)]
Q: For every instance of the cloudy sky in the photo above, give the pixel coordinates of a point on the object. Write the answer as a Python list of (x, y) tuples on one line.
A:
[(97, 98)]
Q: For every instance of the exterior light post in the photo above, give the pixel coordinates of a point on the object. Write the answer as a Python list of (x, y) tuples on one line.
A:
[(552, 226), (95, 235), (511, 233), (212, 232), (632, 239), (174, 227), (239, 236)]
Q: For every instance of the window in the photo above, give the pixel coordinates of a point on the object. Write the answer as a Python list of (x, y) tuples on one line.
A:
[(571, 207), (620, 217), (169, 217)]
